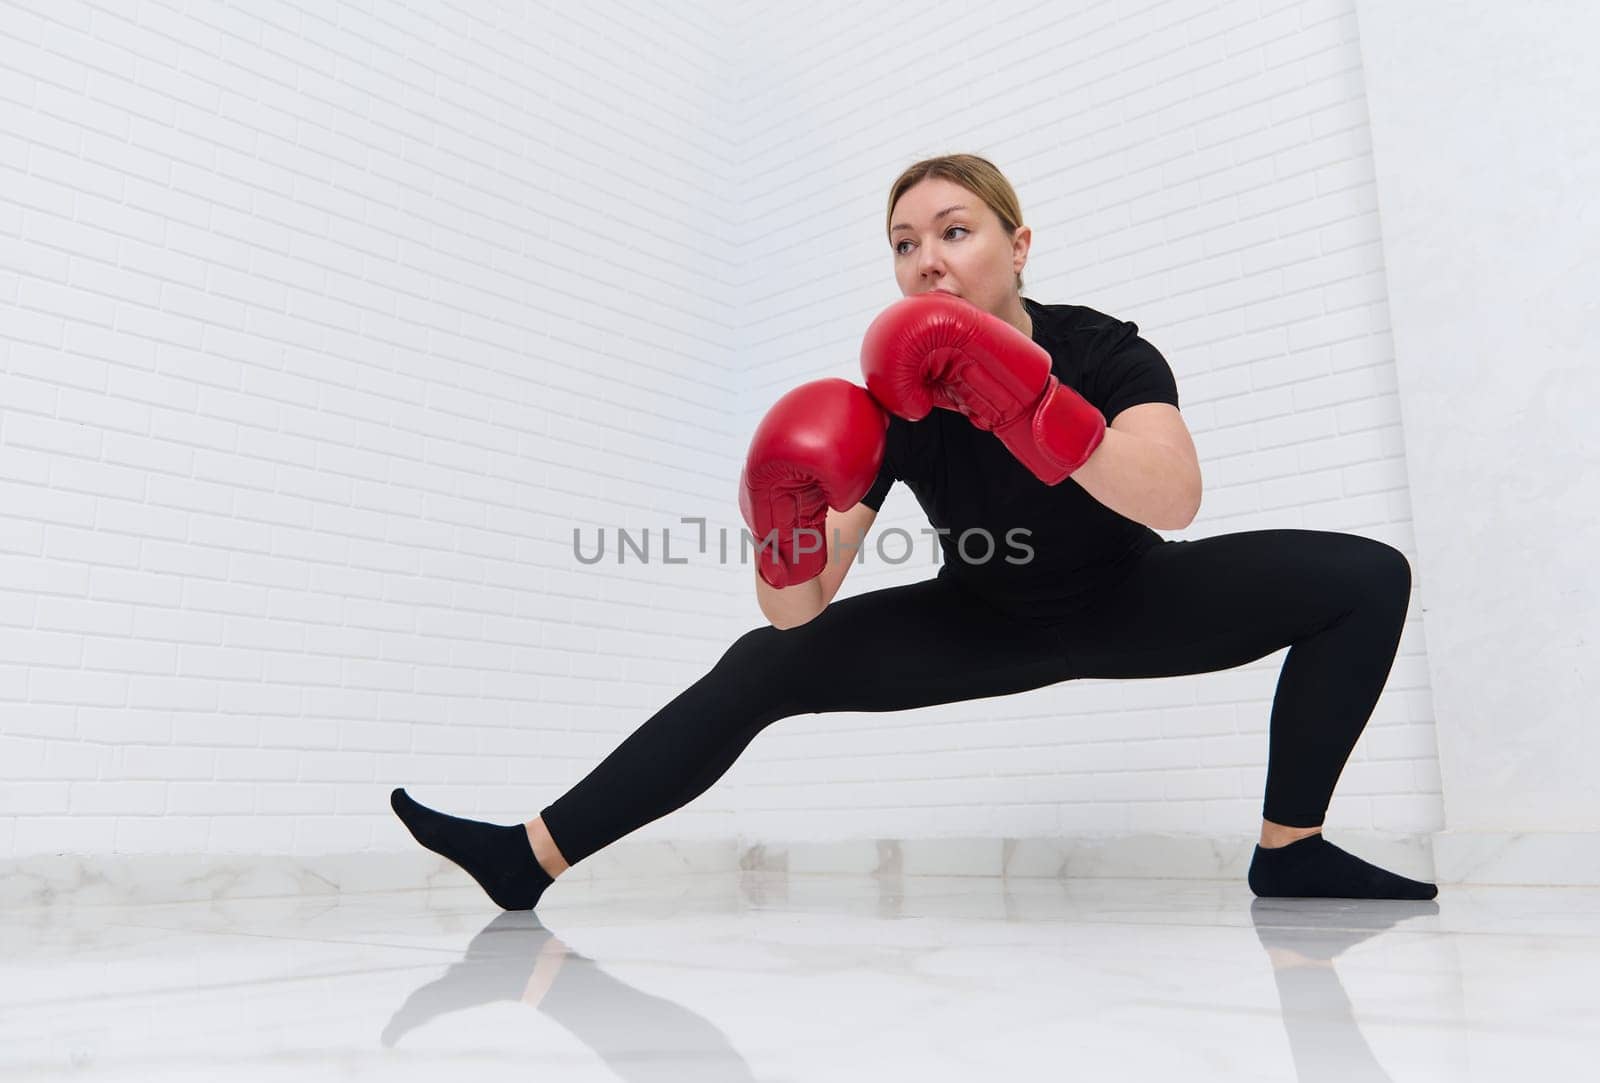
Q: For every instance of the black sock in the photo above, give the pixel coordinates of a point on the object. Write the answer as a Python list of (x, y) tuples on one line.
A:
[(1314, 868), (499, 858)]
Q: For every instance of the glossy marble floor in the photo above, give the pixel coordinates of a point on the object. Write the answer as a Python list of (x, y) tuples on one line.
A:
[(765, 976)]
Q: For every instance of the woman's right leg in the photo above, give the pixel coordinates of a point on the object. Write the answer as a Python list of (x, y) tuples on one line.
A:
[(885, 650)]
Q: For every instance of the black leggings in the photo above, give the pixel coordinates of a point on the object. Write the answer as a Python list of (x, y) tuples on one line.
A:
[(1338, 601)]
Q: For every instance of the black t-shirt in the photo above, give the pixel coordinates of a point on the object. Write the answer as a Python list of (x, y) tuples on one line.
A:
[(1047, 546)]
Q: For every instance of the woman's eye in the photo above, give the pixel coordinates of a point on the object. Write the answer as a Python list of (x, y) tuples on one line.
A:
[(902, 244)]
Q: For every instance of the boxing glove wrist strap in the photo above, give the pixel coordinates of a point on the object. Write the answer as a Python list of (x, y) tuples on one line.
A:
[(1057, 436)]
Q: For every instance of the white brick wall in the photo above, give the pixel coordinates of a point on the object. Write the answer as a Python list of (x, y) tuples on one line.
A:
[(322, 329)]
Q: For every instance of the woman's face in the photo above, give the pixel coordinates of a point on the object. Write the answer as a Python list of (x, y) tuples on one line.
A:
[(966, 252)]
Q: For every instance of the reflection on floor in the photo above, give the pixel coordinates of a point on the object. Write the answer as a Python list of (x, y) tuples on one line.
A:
[(764, 976)]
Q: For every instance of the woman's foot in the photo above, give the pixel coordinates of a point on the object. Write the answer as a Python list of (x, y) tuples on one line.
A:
[(499, 858), (1313, 867)]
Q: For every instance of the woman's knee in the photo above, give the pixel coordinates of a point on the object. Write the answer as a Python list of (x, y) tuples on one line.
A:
[(1382, 570), (1393, 569)]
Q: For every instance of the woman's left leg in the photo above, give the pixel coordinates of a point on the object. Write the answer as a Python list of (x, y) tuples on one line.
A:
[(1337, 601)]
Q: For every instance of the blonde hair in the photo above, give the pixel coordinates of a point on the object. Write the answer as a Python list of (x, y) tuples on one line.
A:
[(977, 175)]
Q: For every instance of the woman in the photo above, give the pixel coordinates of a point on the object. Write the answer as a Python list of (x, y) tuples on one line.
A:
[(1043, 581)]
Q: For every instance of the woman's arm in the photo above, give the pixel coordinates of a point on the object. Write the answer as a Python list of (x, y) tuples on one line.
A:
[(1146, 469), (793, 606)]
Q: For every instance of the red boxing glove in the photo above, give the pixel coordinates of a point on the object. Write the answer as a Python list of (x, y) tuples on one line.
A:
[(936, 349), (819, 446)]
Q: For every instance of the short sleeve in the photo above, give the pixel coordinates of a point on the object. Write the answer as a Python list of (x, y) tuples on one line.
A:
[(880, 487), (1129, 370)]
